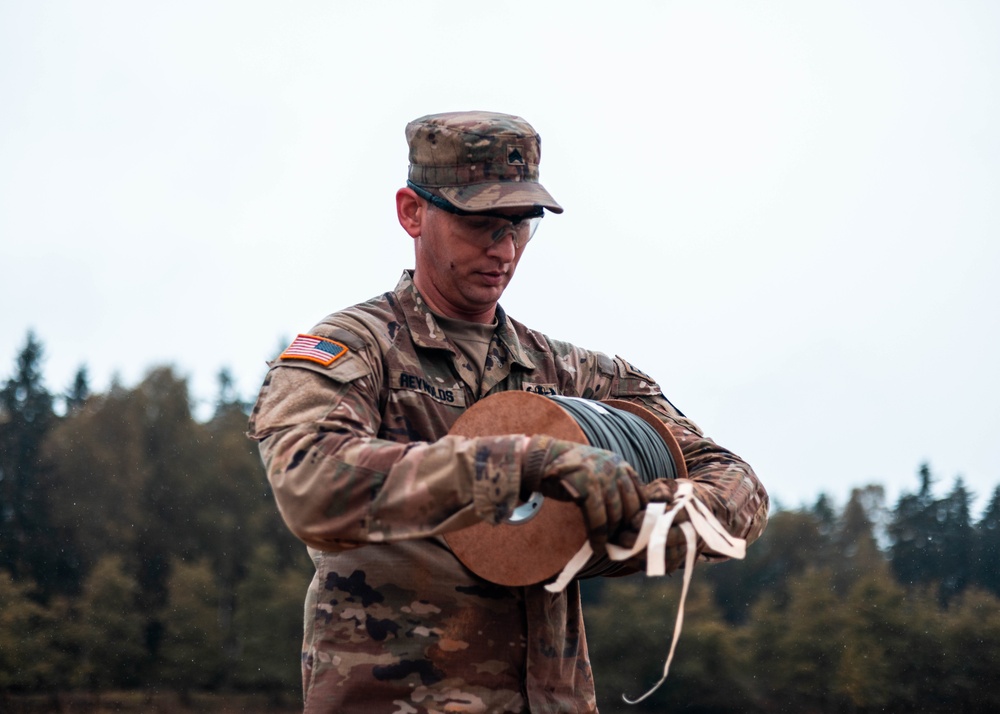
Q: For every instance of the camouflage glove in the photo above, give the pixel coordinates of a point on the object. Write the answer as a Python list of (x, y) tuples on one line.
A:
[(661, 491), (600, 482)]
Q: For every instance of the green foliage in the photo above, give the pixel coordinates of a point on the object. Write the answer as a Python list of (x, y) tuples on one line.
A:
[(141, 548), (853, 539), (109, 630), (933, 540), (792, 542), (25, 627), (972, 659), (268, 622), (874, 631), (25, 418), (100, 471), (79, 390), (634, 615), (808, 637), (822, 619), (987, 547), (37, 652), (192, 650), (158, 520), (24, 398)]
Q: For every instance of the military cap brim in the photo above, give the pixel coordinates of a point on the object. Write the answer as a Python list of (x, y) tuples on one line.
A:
[(478, 161)]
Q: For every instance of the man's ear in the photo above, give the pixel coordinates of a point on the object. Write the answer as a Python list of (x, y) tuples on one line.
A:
[(410, 211)]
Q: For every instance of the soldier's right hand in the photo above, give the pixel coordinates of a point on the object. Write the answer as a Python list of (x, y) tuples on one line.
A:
[(600, 482)]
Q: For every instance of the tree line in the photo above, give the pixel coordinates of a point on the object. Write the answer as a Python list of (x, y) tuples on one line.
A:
[(860, 609), (140, 549)]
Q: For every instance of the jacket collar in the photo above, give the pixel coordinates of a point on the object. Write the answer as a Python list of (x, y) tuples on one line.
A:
[(427, 333)]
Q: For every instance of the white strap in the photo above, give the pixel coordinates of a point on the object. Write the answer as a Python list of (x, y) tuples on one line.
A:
[(653, 537)]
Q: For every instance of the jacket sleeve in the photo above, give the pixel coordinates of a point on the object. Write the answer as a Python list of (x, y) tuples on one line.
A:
[(338, 486), (722, 480)]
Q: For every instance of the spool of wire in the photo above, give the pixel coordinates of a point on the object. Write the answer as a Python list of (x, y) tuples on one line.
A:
[(543, 534), (627, 435), (623, 433)]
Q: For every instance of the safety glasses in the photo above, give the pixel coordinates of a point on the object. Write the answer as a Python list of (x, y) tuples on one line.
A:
[(487, 227)]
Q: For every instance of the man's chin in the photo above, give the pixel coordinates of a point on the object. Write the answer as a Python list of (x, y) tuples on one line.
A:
[(484, 299)]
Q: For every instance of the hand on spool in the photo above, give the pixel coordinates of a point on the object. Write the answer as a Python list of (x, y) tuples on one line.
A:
[(661, 491), (601, 483)]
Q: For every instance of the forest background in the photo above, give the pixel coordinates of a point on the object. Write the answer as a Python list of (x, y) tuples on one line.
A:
[(143, 567)]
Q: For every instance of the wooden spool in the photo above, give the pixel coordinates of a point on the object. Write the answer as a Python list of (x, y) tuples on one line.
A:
[(536, 548)]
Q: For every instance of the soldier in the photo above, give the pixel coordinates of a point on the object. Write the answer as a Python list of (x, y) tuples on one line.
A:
[(353, 421)]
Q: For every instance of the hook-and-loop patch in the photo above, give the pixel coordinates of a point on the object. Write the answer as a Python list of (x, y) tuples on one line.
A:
[(317, 349)]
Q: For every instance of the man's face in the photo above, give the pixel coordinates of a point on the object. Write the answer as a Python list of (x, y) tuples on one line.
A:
[(459, 273)]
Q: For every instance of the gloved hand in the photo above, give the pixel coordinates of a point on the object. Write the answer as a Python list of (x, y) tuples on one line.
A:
[(600, 482), (661, 491)]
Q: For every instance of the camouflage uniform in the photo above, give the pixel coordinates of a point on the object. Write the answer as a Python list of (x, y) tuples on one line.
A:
[(357, 453)]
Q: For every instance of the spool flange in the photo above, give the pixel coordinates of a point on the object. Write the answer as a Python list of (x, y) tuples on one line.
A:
[(535, 545)]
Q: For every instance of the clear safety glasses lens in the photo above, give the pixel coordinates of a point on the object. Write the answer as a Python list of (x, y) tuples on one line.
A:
[(522, 231)]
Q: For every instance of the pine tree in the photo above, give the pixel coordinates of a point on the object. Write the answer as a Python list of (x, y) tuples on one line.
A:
[(826, 515), (175, 469), (227, 398), (26, 416), (857, 552), (957, 542), (987, 549), (915, 555), (79, 390)]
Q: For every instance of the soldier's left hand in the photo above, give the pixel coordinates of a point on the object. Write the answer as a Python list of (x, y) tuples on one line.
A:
[(662, 491)]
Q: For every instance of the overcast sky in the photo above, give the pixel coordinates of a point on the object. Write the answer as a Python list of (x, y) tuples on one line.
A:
[(787, 212)]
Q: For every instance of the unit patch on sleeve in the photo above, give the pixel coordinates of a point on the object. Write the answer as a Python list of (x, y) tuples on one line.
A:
[(314, 349), (633, 371)]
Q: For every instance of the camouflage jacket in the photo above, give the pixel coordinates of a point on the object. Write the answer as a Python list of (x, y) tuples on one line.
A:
[(357, 454)]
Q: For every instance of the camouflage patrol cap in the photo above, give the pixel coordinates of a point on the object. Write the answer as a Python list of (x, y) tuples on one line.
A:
[(478, 161)]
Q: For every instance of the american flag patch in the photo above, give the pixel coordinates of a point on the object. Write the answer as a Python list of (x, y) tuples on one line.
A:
[(314, 349)]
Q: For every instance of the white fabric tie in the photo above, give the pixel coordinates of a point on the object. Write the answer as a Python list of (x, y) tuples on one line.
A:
[(653, 537)]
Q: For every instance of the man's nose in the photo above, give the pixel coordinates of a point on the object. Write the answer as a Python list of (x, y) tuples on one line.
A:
[(503, 243)]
